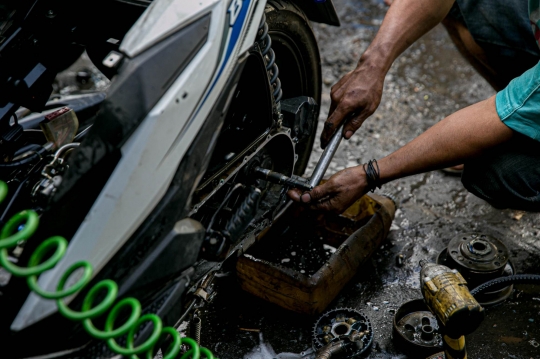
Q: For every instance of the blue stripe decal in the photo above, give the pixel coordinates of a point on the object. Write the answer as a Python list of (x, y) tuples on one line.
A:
[(234, 30), (235, 34)]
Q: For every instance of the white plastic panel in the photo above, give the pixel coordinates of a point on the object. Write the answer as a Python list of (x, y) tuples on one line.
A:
[(162, 18), (153, 153)]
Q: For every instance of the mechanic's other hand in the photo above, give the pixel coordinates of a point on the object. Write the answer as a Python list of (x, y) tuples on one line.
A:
[(354, 98), (338, 194)]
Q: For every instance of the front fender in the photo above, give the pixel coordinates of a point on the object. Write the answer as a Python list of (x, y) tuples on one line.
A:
[(323, 12)]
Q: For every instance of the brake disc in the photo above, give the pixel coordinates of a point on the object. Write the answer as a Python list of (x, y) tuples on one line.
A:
[(338, 324)]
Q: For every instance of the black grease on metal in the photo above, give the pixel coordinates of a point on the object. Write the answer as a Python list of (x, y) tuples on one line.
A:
[(341, 325), (278, 178)]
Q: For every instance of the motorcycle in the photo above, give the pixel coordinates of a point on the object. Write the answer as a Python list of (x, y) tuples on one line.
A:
[(168, 176)]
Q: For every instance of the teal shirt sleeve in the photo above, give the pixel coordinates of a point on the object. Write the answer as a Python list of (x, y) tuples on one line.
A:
[(518, 105)]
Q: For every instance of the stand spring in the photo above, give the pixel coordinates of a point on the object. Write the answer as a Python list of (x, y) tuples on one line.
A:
[(196, 329), (27, 221)]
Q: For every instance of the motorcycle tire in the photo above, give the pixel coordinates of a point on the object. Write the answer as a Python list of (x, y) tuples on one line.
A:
[(299, 62)]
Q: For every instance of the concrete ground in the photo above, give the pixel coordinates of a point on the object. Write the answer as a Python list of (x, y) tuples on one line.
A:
[(428, 82)]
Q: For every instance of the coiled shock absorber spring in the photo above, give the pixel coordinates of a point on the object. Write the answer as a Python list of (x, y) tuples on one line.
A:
[(269, 55), (196, 329), (22, 226)]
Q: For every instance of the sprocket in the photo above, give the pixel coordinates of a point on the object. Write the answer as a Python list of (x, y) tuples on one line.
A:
[(338, 324)]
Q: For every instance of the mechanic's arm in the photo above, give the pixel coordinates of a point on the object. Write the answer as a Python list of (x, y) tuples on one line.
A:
[(359, 92), (463, 135)]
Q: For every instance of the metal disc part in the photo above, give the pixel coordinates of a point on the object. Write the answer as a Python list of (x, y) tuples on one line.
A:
[(416, 330), (479, 258), (341, 324), (420, 327), (440, 355), (478, 253)]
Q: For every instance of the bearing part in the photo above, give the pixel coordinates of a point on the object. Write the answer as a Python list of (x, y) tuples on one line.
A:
[(416, 330), (343, 324), (479, 258)]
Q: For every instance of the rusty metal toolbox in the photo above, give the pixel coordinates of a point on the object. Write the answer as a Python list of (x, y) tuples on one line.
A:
[(357, 234)]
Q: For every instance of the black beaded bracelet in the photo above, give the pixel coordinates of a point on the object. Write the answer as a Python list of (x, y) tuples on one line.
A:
[(373, 175)]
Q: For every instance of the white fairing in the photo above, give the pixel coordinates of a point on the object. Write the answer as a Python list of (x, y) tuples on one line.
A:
[(152, 154), (161, 19)]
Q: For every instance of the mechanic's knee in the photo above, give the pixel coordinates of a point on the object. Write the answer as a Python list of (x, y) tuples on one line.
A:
[(495, 181), (481, 184)]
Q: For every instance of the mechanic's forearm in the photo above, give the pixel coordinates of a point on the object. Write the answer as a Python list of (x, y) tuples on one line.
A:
[(405, 22), (465, 134)]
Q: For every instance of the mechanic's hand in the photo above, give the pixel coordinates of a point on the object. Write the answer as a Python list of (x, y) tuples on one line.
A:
[(338, 194), (354, 98)]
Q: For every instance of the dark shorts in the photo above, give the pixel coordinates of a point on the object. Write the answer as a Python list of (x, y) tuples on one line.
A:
[(508, 176), (502, 28)]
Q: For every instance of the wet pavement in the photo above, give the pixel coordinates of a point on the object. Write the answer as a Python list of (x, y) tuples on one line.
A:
[(427, 83)]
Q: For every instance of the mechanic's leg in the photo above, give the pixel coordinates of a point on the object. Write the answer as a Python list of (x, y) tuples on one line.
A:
[(472, 52), (495, 36), (508, 176)]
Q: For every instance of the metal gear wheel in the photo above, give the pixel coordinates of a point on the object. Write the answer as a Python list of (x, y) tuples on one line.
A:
[(339, 324)]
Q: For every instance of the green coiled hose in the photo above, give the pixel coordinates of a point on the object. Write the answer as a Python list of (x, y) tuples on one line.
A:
[(22, 226)]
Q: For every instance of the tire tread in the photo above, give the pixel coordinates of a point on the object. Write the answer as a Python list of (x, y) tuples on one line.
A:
[(283, 5), (291, 11)]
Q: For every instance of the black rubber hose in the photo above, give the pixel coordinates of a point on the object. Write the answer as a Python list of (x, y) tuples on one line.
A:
[(31, 147), (243, 215), (502, 282), (24, 161)]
